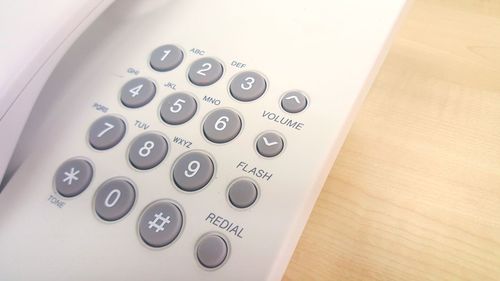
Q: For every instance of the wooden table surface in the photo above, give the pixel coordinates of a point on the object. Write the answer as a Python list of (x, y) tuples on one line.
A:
[(415, 191)]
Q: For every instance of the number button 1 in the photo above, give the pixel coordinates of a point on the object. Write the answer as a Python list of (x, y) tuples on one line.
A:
[(114, 199), (248, 86), (147, 151), (205, 71), (193, 171), (106, 132), (166, 58), (178, 108), (222, 126)]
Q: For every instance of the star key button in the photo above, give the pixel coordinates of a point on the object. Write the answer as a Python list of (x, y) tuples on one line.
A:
[(73, 177)]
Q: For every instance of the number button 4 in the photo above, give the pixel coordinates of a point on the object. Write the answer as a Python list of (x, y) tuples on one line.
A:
[(137, 92), (248, 86), (147, 151), (222, 125), (178, 108), (205, 71), (106, 132)]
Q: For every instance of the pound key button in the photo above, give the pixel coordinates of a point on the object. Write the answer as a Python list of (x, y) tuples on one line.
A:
[(160, 223)]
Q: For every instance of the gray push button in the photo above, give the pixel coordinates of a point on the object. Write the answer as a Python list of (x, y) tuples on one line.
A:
[(294, 102), (178, 108), (166, 58), (242, 193), (269, 144), (222, 125), (248, 86), (205, 71), (106, 132), (147, 151), (114, 199), (211, 251), (137, 92), (160, 224), (73, 177), (193, 171)]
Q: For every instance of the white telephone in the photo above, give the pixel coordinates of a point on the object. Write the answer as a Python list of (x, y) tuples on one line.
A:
[(174, 140)]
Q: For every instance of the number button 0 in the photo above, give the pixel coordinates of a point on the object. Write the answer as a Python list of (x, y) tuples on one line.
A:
[(193, 171), (248, 86), (178, 108), (106, 132), (147, 151), (114, 199), (205, 71), (222, 126), (137, 92), (166, 58)]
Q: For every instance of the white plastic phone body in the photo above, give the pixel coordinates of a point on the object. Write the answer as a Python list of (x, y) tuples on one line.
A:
[(331, 50)]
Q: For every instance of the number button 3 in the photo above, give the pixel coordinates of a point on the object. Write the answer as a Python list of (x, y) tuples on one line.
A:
[(248, 86), (178, 108), (222, 126), (205, 71), (193, 171), (106, 132), (147, 151), (114, 199)]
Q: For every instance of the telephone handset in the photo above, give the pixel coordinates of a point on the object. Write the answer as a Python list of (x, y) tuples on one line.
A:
[(183, 140)]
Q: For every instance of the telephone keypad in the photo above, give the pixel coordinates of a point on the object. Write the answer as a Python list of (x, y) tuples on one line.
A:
[(137, 92), (222, 125), (166, 58), (193, 171), (147, 151), (178, 108), (205, 71), (106, 132), (114, 199), (248, 86)]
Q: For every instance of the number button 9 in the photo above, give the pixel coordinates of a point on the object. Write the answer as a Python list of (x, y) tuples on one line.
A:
[(106, 132), (178, 108), (147, 151), (248, 86), (193, 171), (222, 126), (114, 199), (205, 72)]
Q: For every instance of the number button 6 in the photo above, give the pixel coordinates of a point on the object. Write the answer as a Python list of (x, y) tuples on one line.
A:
[(178, 108), (222, 126), (147, 151), (193, 171)]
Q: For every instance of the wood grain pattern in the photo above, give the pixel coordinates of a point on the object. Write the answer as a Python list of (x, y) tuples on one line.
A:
[(415, 191)]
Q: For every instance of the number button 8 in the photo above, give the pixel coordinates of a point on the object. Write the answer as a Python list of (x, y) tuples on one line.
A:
[(205, 71), (193, 171), (248, 86), (222, 126), (147, 151), (178, 108)]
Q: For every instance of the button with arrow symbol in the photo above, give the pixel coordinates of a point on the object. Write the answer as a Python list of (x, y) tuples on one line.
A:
[(269, 144), (294, 102)]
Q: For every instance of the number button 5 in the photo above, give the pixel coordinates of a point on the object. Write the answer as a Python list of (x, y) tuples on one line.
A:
[(147, 151), (178, 108), (106, 132), (248, 86), (205, 71), (222, 126), (114, 199), (193, 171)]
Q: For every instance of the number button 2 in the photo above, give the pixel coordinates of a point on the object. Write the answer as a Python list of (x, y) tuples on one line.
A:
[(106, 132), (193, 171), (248, 86), (205, 71), (178, 108), (114, 199), (147, 151), (222, 125)]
